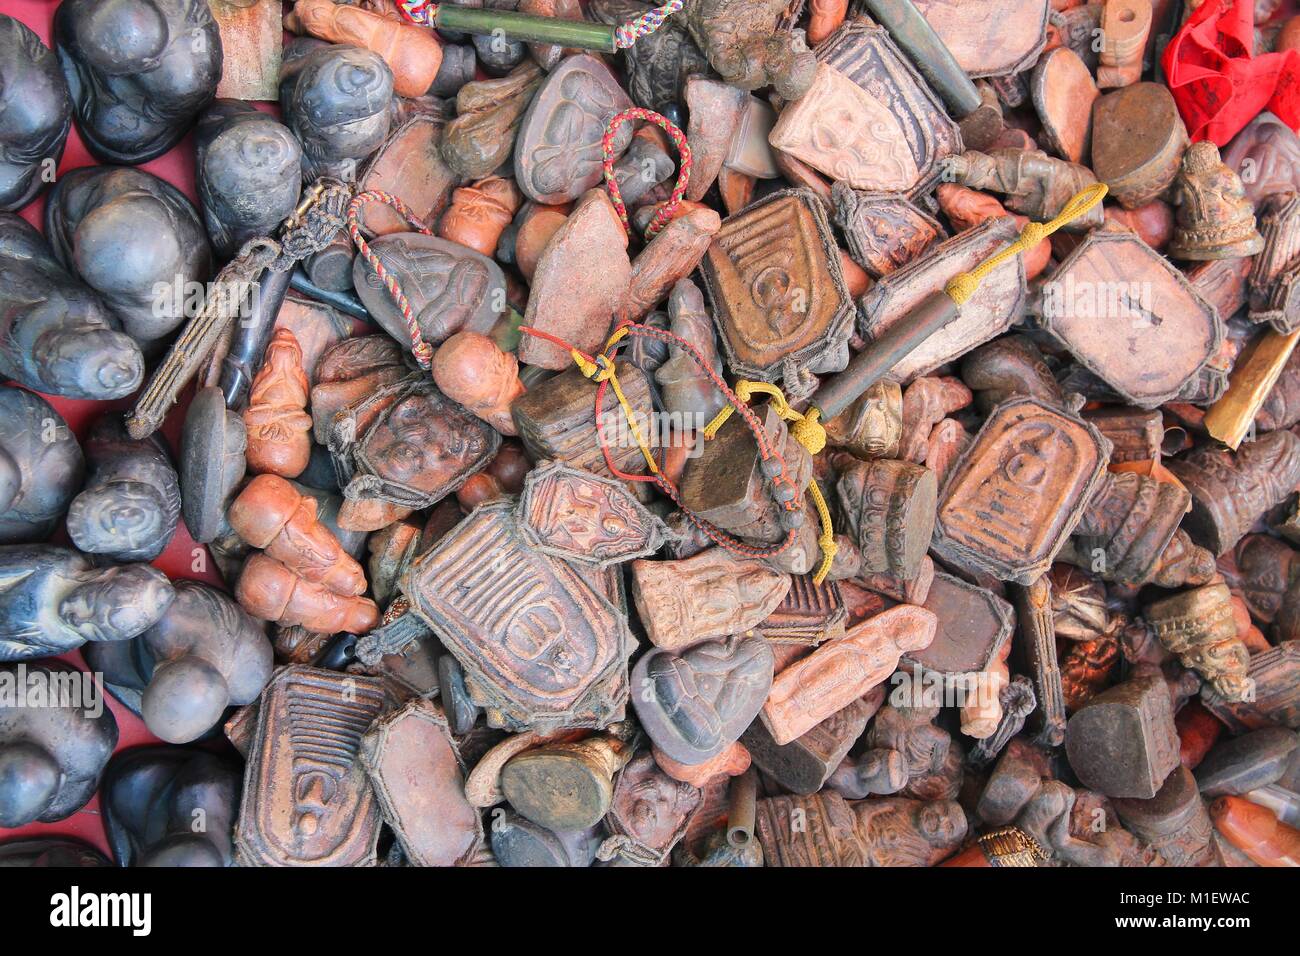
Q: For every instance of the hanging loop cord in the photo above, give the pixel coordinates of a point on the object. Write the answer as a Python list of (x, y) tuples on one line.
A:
[(644, 25), (424, 14), (601, 369), (809, 432), (665, 212), (962, 286), (421, 349)]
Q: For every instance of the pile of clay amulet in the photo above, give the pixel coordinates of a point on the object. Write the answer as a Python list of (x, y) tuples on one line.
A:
[(616, 436)]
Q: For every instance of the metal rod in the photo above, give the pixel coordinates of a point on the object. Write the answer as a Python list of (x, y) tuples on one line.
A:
[(876, 360), (581, 34), (928, 53)]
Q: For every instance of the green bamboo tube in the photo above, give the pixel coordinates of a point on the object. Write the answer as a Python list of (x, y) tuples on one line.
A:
[(579, 34)]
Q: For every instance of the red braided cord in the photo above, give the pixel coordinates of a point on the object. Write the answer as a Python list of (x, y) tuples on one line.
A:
[(665, 212), (422, 350)]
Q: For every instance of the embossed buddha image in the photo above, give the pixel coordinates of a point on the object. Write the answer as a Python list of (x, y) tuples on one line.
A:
[(719, 591), (588, 518), (697, 703), (861, 149), (450, 287), (570, 146), (650, 805), (418, 444), (898, 832)]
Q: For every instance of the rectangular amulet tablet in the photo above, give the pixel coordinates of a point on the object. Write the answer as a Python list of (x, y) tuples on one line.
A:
[(541, 649)]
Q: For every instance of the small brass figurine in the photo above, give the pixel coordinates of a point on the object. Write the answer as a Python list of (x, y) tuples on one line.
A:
[(1215, 219)]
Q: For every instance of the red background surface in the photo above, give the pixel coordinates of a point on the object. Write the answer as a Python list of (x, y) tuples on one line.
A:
[(177, 167)]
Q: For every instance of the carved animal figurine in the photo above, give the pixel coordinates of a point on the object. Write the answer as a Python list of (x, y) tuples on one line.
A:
[(270, 514), (744, 43), (40, 466), (412, 53), (132, 500), (56, 336), (51, 756), (270, 591), (52, 600), (337, 101), (139, 72), (133, 238), (35, 117), (277, 423), (203, 655), (248, 170), (1215, 220), (470, 369), (480, 212), (155, 798)]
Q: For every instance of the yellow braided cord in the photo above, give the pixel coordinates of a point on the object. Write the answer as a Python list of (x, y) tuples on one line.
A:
[(827, 540), (602, 370), (719, 420), (631, 420), (962, 286), (589, 369), (809, 432)]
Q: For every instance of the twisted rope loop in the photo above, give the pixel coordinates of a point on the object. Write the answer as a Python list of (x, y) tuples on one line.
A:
[(422, 350), (600, 369), (809, 432), (665, 212), (962, 286), (419, 12), (628, 33)]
